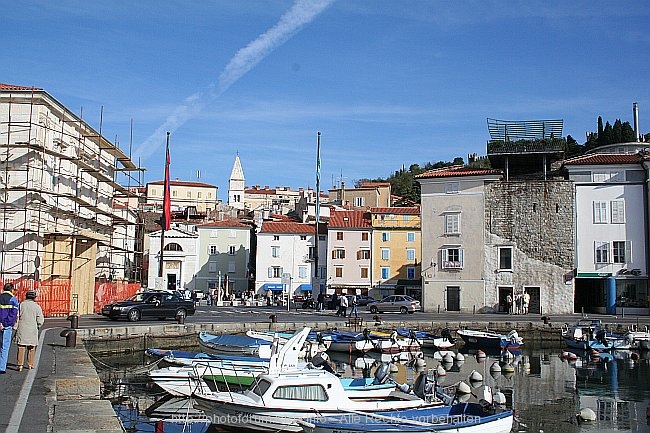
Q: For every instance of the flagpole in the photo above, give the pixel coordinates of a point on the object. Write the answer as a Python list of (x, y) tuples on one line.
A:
[(317, 211), (166, 211)]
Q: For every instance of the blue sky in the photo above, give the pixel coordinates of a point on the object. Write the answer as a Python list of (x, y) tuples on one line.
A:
[(386, 82)]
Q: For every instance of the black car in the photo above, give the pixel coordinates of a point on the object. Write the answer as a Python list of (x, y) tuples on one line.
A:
[(159, 305)]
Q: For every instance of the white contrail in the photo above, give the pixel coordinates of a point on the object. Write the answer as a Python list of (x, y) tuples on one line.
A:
[(301, 13)]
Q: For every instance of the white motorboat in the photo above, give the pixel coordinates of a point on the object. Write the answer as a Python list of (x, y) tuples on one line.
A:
[(277, 399)]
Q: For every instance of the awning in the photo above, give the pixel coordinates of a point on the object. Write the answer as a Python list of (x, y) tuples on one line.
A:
[(406, 282), (273, 287), (305, 287)]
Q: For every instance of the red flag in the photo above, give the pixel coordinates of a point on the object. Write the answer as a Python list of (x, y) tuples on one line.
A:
[(167, 206)]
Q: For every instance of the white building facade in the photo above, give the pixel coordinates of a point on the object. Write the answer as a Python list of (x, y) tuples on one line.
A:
[(611, 233), (180, 259), (285, 259), (223, 257)]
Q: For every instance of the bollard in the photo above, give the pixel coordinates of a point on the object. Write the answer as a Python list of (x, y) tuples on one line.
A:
[(74, 321), (70, 337), (546, 320), (274, 318), (180, 319), (438, 308)]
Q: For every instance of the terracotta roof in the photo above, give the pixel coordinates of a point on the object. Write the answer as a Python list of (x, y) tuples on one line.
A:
[(4, 86), (349, 219), (225, 223), (373, 184), (606, 158), (458, 170), (396, 210), (182, 183), (259, 191), (287, 227)]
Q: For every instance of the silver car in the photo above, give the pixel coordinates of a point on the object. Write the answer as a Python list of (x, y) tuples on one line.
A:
[(395, 303)]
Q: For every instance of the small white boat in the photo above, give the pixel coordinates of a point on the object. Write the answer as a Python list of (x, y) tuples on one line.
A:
[(589, 334), (639, 338)]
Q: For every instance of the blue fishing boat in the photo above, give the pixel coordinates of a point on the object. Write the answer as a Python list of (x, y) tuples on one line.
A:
[(462, 417), (489, 339), (227, 344)]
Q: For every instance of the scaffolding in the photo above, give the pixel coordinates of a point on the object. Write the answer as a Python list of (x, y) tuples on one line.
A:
[(66, 221)]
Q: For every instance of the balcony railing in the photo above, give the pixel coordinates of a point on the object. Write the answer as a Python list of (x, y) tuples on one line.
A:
[(542, 145)]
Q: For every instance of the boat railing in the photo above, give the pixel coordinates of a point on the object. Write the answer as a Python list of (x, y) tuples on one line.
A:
[(203, 370)]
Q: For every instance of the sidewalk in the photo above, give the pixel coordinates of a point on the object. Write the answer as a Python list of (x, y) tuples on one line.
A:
[(61, 392)]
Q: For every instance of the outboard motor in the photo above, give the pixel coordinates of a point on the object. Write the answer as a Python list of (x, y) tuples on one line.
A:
[(601, 337), (513, 336), (446, 333), (422, 387), (382, 374), (321, 359), (366, 334)]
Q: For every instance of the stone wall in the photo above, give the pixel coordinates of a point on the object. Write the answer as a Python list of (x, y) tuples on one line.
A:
[(538, 216)]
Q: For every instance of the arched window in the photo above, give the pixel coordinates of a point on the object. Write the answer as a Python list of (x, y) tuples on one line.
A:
[(173, 247)]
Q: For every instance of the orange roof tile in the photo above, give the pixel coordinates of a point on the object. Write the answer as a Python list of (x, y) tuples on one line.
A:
[(349, 219), (606, 158), (4, 86), (396, 210), (287, 227), (458, 170)]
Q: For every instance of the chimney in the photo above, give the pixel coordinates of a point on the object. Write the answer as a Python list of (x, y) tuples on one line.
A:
[(342, 193), (635, 109)]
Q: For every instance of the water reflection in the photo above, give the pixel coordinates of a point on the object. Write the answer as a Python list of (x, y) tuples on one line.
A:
[(545, 387)]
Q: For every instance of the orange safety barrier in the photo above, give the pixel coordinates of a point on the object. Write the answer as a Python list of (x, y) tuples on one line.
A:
[(53, 295), (111, 291)]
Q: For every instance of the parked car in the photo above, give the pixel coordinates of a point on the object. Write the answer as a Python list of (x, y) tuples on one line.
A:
[(395, 303), (160, 305), (362, 300)]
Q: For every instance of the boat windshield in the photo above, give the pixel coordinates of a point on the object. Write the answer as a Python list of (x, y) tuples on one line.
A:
[(260, 387)]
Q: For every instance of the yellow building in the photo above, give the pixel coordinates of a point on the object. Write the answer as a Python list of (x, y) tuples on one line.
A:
[(396, 251), (184, 194)]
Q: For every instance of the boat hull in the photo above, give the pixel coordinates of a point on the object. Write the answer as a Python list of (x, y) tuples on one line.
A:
[(488, 340), (465, 418)]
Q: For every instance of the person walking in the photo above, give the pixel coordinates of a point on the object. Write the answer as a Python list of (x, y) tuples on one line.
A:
[(343, 302), (30, 320), (8, 317), (354, 309), (320, 300)]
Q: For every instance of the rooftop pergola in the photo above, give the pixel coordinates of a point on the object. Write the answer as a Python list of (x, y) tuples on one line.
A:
[(514, 130), (524, 146)]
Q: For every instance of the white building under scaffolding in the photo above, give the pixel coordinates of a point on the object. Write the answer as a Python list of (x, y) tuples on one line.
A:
[(59, 217)]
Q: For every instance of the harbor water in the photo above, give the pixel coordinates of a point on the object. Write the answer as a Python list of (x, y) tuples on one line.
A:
[(546, 387)]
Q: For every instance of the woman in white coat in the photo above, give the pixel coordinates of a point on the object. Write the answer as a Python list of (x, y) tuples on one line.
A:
[(30, 319)]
